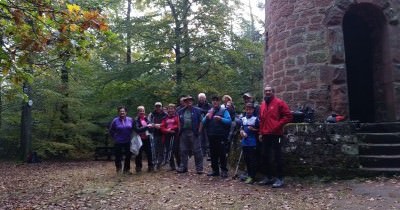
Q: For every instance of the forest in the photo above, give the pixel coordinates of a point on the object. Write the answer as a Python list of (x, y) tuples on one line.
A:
[(66, 65)]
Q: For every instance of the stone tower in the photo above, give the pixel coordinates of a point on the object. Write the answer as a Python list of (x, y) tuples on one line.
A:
[(337, 56)]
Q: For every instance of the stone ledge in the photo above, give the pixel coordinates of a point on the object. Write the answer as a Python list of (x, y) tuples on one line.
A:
[(320, 149)]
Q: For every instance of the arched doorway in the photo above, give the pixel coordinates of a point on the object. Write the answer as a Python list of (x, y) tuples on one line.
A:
[(364, 38)]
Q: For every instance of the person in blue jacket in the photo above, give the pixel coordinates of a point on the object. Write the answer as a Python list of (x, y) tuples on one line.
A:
[(190, 119), (217, 122), (249, 132)]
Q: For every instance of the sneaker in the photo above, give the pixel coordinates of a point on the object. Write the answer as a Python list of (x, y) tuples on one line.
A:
[(266, 181), (138, 170), (278, 183), (243, 177), (249, 180)]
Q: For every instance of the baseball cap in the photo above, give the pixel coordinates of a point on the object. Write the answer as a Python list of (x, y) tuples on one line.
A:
[(158, 104), (247, 95), (188, 97)]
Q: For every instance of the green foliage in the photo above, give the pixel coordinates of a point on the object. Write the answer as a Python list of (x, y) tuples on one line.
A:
[(8, 147), (211, 58), (35, 35), (54, 150)]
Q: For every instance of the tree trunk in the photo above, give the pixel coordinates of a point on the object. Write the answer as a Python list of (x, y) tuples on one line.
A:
[(1, 106), (128, 34), (185, 21), (64, 89), (182, 38), (26, 126), (253, 28)]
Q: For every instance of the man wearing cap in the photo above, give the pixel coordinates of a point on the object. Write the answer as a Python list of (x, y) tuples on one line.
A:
[(190, 119), (217, 122), (248, 98), (274, 114), (156, 118)]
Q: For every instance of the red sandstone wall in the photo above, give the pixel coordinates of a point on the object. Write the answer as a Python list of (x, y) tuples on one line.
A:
[(305, 58)]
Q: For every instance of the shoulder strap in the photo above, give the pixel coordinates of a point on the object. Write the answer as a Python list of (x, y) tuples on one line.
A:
[(221, 111)]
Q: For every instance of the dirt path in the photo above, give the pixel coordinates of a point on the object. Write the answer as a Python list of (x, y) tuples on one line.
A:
[(94, 185)]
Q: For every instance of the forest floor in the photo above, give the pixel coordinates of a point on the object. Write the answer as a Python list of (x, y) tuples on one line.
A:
[(95, 185)]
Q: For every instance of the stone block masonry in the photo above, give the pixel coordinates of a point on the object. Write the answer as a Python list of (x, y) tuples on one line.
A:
[(320, 149), (306, 61)]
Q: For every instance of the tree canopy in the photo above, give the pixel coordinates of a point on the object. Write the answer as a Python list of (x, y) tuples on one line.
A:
[(82, 59)]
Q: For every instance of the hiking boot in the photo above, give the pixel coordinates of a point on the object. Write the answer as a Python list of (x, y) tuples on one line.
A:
[(266, 181), (243, 177), (224, 174), (158, 167), (213, 173), (181, 170), (138, 170), (249, 180), (278, 183), (127, 173), (150, 169), (199, 172)]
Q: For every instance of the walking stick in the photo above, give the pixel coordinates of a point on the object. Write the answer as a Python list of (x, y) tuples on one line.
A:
[(237, 165), (153, 153)]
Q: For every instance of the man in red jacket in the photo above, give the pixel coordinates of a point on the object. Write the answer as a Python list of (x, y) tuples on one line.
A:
[(274, 114)]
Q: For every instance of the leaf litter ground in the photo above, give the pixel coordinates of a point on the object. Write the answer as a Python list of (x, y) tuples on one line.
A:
[(95, 185)]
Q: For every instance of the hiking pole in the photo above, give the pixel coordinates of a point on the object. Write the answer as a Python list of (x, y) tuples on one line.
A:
[(237, 165), (153, 152)]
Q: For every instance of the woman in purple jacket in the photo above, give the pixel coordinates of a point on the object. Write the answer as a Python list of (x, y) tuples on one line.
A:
[(121, 131)]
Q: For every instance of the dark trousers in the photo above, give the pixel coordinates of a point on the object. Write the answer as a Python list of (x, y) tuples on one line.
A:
[(172, 150), (146, 147), (218, 152), (204, 142), (159, 158), (271, 145), (259, 156), (121, 149), (250, 158)]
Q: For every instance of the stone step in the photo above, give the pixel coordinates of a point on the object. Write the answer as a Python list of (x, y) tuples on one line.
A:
[(379, 161), (379, 138), (387, 127), (381, 169), (378, 149)]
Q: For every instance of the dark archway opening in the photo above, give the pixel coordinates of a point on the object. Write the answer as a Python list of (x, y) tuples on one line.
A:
[(363, 34)]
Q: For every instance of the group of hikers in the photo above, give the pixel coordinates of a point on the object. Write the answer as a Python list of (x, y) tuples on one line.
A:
[(172, 134)]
